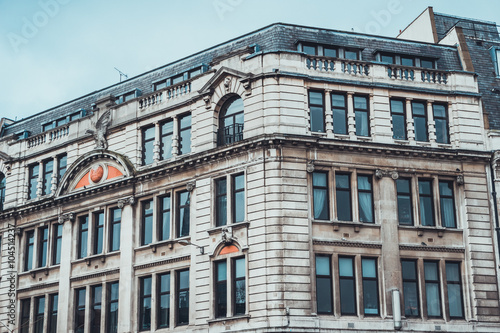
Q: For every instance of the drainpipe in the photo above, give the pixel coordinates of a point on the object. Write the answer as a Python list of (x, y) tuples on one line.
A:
[(396, 309), (495, 206)]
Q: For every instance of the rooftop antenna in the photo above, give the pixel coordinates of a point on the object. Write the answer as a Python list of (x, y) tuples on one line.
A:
[(121, 74)]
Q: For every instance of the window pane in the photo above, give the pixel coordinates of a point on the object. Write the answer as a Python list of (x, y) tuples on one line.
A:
[(54, 306), (351, 55), (183, 298), (339, 121), (328, 52), (112, 312), (115, 229), (324, 294), (240, 297), (221, 202), (240, 268), (347, 296), (433, 301), (167, 130), (370, 297), (322, 265), (452, 272), (320, 196), (147, 222), (221, 289), (386, 59), (239, 207), (317, 119), (426, 205), (309, 49), (410, 293), (360, 102), (145, 304), (183, 213), (165, 218), (39, 313), (84, 227), (405, 214), (345, 267), (455, 300), (164, 305), (405, 61), (426, 63), (80, 311), (369, 268), (343, 195), (185, 134)]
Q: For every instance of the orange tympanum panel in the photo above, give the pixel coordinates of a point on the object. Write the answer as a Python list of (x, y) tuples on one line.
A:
[(96, 175), (84, 181), (228, 249), (113, 172)]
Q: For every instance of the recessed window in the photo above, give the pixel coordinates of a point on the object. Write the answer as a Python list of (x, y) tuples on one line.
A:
[(115, 230), (361, 115), (48, 169), (351, 54), (80, 310), (309, 49), (30, 247), (148, 139), (83, 232), (145, 303), (2, 190), (183, 297), (426, 203), (407, 61), (24, 322), (440, 112), (420, 121), (347, 286), (166, 135), (33, 180), (62, 163), (231, 122), (53, 309), (320, 196), (398, 115), (317, 111), (147, 222), (339, 110), (405, 210), (410, 288), (39, 314), (163, 310), (454, 286), (185, 134), (447, 203), (43, 241), (98, 232), (370, 286), (324, 299), (343, 196), (432, 290), (427, 63), (164, 218), (95, 308), (365, 199), (57, 244), (221, 289), (330, 52), (112, 307), (183, 214), (387, 59)]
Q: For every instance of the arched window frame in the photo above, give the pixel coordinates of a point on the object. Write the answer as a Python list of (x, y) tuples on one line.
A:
[(228, 134)]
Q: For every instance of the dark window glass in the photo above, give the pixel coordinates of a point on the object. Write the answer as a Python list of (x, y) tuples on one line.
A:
[(160, 85), (425, 63), (33, 175), (62, 163), (75, 116), (361, 116), (30, 243), (330, 52), (370, 286), (178, 79), (147, 222), (432, 292), (57, 243), (61, 121), (407, 61), (309, 49), (454, 285), (365, 199), (183, 213), (238, 209), (164, 225), (398, 119), (339, 111), (39, 311), (48, 168), (320, 196), (221, 289), (351, 54), (167, 131), (112, 308), (426, 203), (43, 241), (343, 194), (419, 121), (95, 309), (194, 72), (347, 286), (405, 215), (410, 288), (145, 304), (440, 113), (114, 236), (98, 232), (317, 111), (183, 297), (324, 284), (185, 134), (387, 59), (24, 324), (2, 190), (80, 310), (231, 121), (83, 224), (220, 202), (239, 287), (163, 310), (148, 140), (48, 126), (447, 203), (54, 306)]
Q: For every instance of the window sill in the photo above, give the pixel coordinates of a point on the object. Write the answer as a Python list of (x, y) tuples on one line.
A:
[(238, 225), (224, 319), (401, 141), (318, 133), (101, 257), (33, 272), (420, 229), (364, 138)]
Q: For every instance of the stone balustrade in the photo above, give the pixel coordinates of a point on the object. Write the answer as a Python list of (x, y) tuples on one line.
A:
[(48, 136)]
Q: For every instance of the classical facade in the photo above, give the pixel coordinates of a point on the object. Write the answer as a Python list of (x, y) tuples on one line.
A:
[(292, 179)]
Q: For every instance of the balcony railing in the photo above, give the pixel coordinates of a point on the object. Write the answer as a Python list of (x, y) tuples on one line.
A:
[(230, 134)]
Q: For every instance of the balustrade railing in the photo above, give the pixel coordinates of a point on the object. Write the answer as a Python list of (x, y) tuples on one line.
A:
[(352, 67), (170, 92), (410, 74), (49, 136), (230, 134)]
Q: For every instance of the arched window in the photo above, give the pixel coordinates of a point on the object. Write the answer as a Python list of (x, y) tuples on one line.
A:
[(2, 190), (231, 121)]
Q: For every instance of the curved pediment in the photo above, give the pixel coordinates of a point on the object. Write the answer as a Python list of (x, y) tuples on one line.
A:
[(94, 169)]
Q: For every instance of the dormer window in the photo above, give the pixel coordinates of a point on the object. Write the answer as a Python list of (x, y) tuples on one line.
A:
[(178, 78), (351, 54), (63, 120), (128, 96), (406, 60), (329, 51)]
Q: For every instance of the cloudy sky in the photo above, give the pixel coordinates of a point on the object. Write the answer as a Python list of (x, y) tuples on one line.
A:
[(52, 51)]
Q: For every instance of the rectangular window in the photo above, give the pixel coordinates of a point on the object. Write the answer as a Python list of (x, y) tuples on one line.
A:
[(432, 292), (145, 304), (427, 63), (30, 243), (330, 52), (405, 210), (163, 310), (83, 233), (407, 61), (98, 232), (419, 121), (239, 286), (324, 285), (317, 111), (164, 225), (426, 203), (62, 163), (48, 169), (166, 133), (56, 244), (221, 289), (320, 196), (387, 59), (95, 314), (454, 286), (112, 308), (410, 288), (343, 196), (339, 110), (43, 241), (52, 320), (48, 126), (80, 310), (309, 49), (440, 113), (147, 222), (177, 79), (183, 213), (238, 209), (365, 199), (33, 180), (347, 286), (351, 54), (185, 134), (447, 203), (39, 312), (398, 114), (24, 324), (148, 142), (370, 286), (361, 115), (115, 230), (183, 297), (498, 62), (220, 202)]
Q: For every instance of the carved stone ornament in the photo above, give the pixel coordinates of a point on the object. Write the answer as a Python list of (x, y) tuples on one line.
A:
[(310, 167), (101, 127), (227, 84), (379, 173), (208, 101), (247, 86), (66, 217), (190, 186), (127, 201), (460, 180), (227, 235)]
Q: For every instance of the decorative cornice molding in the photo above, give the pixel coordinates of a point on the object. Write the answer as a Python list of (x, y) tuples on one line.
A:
[(431, 248), (91, 276), (348, 244), (39, 286), (163, 262)]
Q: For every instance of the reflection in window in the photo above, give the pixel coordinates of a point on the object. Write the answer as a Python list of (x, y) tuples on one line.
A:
[(317, 111), (33, 180), (426, 203), (361, 116), (238, 209), (239, 291), (320, 196), (95, 309), (24, 324), (183, 213), (80, 310), (365, 199), (145, 304), (163, 310), (454, 284), (147, 222), (148, 139), (98, 232), (339, 110), (112, 308), (398, 119), (370, 286), (231, 121), (28, 254), (347, 286), (2, 190), (53, 309), (405, 212), (221, 289), (324, 285), (185, 134), (48, 168), (183, 297), (164, 225), (447, 203), (166, 134), (343, 196), (43, 240), (441, 123), (410, 288), (419, 121), (114, 236), (432, 292), (220, 202), (39, 312), (83, 225)]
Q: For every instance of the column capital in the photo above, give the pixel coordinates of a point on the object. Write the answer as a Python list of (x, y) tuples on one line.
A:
[(66, 217), (125, 201), (379, 173)]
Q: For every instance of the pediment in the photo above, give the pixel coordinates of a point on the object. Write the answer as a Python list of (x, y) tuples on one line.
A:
[(220, 75)]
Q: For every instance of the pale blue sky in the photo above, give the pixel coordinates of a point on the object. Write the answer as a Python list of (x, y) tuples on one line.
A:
[(52, 51)]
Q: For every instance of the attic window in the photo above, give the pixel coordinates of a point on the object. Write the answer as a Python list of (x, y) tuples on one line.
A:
[(329, 51), (405, 60), (166, 82), (495, 56), (128, 96), (64, 120)]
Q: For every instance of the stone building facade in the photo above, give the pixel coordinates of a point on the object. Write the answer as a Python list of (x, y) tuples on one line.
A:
[(292, 179)]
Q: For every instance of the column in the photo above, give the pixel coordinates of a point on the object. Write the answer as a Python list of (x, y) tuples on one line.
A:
[(431, 128), (175, 138), (371, 116), (410, 128), (39, 183), (65, 306), (351, 122), (328, 114), (53, 181), (157, 143)]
